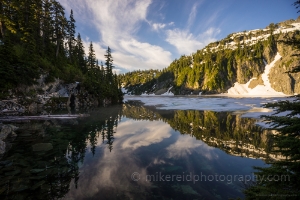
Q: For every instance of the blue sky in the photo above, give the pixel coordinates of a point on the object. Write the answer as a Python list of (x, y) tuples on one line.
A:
[(146, 34)]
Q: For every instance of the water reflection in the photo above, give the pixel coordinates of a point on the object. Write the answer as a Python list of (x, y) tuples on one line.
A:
[(45, 173), (231, 133), (95, 158)]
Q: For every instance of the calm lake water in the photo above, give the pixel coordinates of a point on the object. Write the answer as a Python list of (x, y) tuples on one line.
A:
[(134, 152)]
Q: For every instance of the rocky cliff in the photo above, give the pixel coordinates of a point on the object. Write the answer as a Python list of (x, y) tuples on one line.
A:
[(280, 78)]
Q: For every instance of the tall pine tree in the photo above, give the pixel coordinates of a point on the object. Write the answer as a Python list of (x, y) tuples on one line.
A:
[(71, 37)]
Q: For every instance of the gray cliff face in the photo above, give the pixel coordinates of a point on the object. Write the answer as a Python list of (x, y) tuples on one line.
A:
[(270, 53), (280, 79), (248, 69)]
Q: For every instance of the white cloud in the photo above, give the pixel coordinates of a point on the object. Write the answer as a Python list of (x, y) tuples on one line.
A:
[(141, 56), (145, 134), (186, 43), (118, 22), (186, 145), (157, 26), (183, 147)]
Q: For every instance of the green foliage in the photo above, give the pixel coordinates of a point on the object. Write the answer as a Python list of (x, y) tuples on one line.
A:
[(32, 37), (141, 81), (283, 176), (100, 81)]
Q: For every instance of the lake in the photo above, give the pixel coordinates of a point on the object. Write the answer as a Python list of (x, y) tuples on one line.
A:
[(163, 148)]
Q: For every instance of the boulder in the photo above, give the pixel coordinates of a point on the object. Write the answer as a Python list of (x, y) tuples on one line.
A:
[(5, 131), (2, 147)]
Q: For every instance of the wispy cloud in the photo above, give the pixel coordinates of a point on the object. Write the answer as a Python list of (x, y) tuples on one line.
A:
[(192, 15), (171, 23), (186, 43), (118, 22)]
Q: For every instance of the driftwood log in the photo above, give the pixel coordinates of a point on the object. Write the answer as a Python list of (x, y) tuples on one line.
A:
[(40, 117)]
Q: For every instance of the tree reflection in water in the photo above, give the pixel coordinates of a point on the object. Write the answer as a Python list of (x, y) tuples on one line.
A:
[(224, 130), (26, 173)]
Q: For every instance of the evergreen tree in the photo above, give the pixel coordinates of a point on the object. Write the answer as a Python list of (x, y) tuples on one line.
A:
[(79, 54), (71, 37), (36, 38), (281, 180), (60, 26), (91, 59), (109, 62)]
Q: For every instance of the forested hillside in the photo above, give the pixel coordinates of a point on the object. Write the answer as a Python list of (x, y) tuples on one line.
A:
[(215, 68), (36, 38)]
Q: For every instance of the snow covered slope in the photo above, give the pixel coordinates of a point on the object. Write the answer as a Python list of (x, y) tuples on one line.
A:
[(259, 90)]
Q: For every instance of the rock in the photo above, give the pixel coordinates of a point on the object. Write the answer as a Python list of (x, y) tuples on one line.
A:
[(46, 123), (248, 69), (269, 54), (13, 134), (282, 81), (5, 131), (14, 128), (256, 82), (161, 91), (32, 108), (2, 147)]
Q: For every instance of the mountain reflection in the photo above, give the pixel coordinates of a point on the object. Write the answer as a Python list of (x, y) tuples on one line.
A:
[(224, 130), (97, 155)]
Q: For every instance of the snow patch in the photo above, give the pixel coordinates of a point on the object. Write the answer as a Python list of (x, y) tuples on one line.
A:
[(145, 94), (259, 90), (168, 93), (124, 90)]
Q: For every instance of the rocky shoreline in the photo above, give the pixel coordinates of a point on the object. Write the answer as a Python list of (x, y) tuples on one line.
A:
[(44, 97)]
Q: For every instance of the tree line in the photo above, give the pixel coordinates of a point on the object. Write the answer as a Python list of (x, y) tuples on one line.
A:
[(36, 38)]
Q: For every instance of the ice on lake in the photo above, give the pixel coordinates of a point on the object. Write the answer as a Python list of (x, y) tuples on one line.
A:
[(251, 107)]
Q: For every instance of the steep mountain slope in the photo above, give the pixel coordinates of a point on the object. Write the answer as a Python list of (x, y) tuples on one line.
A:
[(246, 59)]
